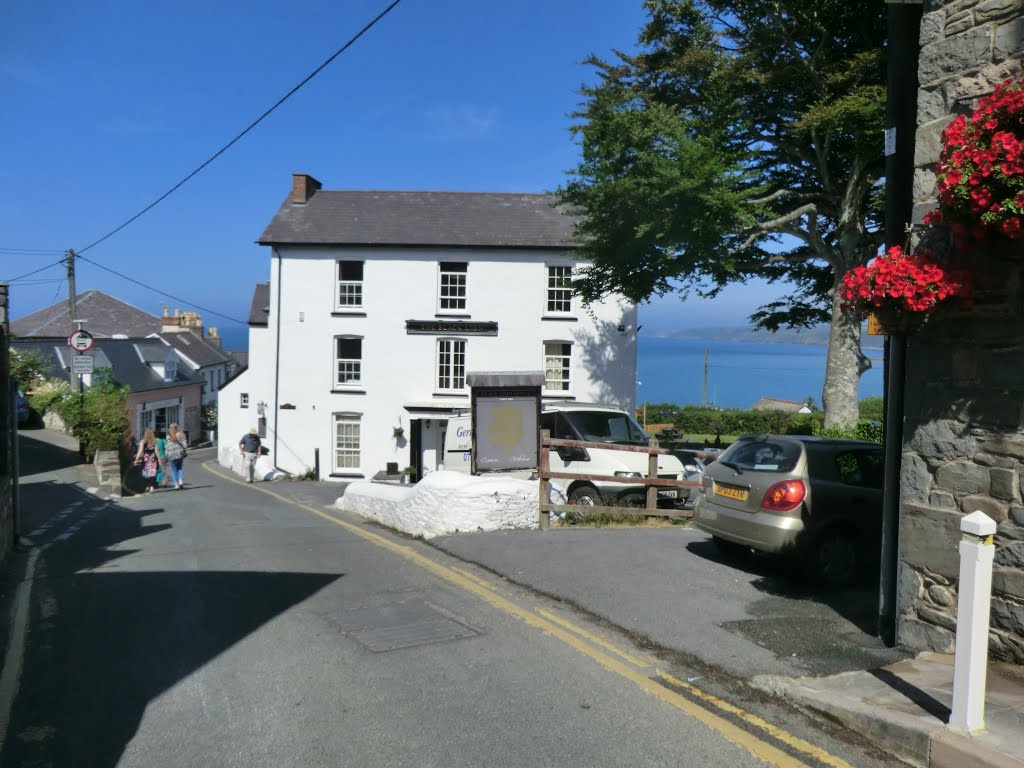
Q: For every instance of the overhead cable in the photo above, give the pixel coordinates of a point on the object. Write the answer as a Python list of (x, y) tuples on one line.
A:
[(157, 290), (252, 125), (35, 271)]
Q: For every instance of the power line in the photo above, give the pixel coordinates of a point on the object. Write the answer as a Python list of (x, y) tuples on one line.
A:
[(252, 125), (157, 290), (31, 251), (29, 274)]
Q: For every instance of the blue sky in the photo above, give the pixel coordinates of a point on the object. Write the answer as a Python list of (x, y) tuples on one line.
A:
[(109, 104)]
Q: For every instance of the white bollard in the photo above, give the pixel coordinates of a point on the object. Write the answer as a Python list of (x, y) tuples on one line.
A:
[(972, 616)]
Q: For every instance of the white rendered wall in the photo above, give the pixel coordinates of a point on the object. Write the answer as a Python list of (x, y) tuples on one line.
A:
[(507, 287), (447, 502)]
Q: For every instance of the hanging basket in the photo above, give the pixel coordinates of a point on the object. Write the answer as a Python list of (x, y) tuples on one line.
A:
[(894, 322)]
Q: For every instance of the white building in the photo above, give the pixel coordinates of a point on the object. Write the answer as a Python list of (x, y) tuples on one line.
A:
[(378, 305)]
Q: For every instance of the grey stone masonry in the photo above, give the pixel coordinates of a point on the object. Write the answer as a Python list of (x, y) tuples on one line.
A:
[(963, 445)]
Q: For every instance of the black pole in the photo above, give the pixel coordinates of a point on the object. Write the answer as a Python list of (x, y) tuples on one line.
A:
[(316, 462), (901, 117)]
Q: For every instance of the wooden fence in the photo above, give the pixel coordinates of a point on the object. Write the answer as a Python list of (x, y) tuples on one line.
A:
[(651, 481)]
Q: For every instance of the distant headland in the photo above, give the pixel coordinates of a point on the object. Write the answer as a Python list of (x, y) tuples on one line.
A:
[(815, 335)]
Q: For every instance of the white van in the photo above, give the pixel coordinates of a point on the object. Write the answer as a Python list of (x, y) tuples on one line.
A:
[(595, 424)]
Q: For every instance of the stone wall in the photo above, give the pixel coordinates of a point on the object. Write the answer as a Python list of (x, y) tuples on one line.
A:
[(964, 429), (8, 436)]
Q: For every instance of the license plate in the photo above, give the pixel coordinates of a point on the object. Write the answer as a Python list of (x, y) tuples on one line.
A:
[(740, 494), (672, 494)]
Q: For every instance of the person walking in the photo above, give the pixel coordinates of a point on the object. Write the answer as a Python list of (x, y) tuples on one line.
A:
[(250, 445), (175, 449), (162, 475), (148, 458)]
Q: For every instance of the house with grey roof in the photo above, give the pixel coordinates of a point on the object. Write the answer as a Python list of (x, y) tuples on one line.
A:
[(775, 404), (164, 389), (380, 302), (105, 316), (210, 362)]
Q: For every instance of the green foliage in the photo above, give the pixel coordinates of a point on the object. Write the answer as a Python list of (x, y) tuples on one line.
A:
[(693, 419), (28, 368), (209, 416), (99, 417), (743, 140), (862, 430), (47, 394), (871, 409)]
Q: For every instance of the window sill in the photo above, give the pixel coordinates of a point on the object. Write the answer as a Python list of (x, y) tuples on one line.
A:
[(348, 313), (561, 318), (349, 475), (348, 391), (451, 394), (441, 314), (556, 395)]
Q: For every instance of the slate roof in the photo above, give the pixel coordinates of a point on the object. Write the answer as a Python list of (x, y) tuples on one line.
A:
[(104, 315), (451, 219), (123, 356), (198, 350), (259, 310)]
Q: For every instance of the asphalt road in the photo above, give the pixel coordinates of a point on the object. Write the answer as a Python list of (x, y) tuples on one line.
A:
[(229, 625)]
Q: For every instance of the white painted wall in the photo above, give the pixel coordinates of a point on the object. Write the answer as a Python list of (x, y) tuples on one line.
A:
[(449, 502), (508, 287)]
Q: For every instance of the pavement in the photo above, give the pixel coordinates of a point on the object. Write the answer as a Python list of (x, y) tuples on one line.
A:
[(816, 651)]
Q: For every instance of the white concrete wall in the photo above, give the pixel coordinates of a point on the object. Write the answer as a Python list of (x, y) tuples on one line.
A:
[(508, 287), (447, 502)]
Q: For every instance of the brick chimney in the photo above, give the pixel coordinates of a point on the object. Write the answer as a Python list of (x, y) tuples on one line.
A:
[(303, 187)]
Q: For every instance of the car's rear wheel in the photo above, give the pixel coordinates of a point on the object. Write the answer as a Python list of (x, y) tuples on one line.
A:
[(633, 499), (837, 557), (585, 495), (730, 548)]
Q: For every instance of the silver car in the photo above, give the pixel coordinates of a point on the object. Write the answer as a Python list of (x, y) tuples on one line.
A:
[(819, 499)]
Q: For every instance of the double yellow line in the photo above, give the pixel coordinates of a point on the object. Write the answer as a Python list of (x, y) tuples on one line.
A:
[(637, 669)]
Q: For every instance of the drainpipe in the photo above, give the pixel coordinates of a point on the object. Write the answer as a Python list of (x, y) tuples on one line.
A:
[(277, 354), (901, 119)]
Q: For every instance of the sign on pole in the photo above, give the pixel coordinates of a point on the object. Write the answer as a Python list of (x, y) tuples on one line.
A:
[(82, 364), (80, 341)]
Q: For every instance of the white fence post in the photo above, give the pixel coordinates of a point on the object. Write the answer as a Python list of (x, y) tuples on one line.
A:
[(975, 592)]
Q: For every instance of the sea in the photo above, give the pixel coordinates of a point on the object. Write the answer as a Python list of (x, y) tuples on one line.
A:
[(739, 372)]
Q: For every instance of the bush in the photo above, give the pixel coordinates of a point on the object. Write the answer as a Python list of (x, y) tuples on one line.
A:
[(720, 421), (99, 417), (872, 431), (27, 368)]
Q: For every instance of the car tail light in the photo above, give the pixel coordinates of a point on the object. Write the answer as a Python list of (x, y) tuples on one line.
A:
[(785, 496)]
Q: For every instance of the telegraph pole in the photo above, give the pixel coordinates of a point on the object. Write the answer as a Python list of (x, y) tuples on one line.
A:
[(76, 381), (704, 391)]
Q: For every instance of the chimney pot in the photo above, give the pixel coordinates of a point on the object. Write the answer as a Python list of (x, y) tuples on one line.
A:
[(303, 187)]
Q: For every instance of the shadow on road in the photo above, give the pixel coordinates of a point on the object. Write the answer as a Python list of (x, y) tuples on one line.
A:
[(104, 642), (783, 578), (44, 451)]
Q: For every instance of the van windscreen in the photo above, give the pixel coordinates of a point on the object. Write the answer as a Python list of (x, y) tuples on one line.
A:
[(607, 427)]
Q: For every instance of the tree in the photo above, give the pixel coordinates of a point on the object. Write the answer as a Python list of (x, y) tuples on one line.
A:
[(743, 139), (28, 368)]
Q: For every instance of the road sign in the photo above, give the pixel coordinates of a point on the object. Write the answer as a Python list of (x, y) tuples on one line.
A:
[(80, 341), (82, 364)]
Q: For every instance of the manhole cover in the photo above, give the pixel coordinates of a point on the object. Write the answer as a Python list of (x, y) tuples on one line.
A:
[(401, 625)]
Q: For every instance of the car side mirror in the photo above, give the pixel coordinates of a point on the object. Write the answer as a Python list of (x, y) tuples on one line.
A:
[(566, 453)]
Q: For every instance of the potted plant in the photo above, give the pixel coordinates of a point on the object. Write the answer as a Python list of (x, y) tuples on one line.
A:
[(398, 432), (901, 289), (408, 474), (980, 174)]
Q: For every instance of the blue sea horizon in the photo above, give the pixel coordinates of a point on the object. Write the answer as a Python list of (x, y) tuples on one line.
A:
[(739, 372)]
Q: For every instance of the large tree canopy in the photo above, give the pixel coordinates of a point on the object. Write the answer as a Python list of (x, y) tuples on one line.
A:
[(743, 139)]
